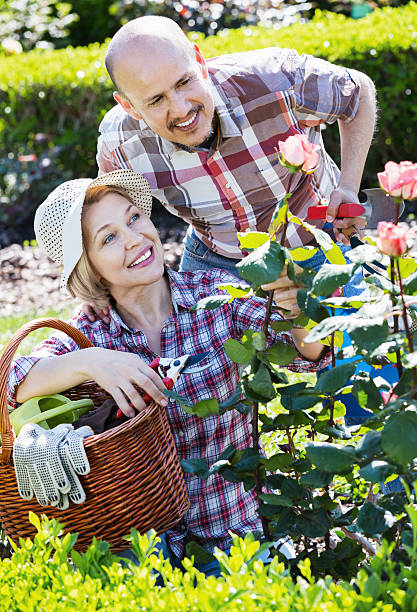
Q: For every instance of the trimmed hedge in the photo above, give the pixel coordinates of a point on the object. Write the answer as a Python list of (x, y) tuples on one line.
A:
[(63, 94)]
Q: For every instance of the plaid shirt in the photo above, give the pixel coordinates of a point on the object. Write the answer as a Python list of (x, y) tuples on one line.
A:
[(216, 505), (260, 97)]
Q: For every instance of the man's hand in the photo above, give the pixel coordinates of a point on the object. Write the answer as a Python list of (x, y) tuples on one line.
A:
[(285, 293), (350, 225), (94, 314)]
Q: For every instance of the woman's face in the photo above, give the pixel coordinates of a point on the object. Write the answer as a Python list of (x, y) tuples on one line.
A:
[(122, 244)]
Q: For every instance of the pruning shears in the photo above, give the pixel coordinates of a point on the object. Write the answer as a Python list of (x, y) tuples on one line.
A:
[(375, 206), (169, 370)]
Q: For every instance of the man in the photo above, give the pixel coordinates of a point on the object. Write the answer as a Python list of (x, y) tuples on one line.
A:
[(204, 134)]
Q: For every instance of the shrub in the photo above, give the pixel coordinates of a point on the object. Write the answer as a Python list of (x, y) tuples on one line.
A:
[(65, 93), (40, 578)]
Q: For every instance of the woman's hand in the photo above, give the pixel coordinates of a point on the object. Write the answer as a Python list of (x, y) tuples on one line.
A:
[(125, 376), (93, 314), (285, 293)]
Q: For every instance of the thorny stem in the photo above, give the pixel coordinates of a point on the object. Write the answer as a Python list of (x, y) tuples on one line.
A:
[(407, 327), (291, 443), (333, 366), (395, 319)]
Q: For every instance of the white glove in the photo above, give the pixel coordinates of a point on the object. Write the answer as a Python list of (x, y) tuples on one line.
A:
[(45, 463), (74, 461)]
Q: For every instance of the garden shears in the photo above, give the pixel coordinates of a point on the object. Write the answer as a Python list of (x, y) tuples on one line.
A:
[(169, 370), (374, 205)]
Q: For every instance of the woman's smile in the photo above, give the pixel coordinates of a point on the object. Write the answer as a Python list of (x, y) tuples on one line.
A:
[(144, 258)]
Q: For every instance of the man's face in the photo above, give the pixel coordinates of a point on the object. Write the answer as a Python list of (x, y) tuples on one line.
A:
[(167, 89)]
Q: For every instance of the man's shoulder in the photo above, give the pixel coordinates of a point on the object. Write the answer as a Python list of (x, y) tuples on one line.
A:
[(271, 66), (118, 126)]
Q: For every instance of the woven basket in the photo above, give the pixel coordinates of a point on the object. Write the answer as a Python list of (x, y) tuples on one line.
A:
[(135, 478)]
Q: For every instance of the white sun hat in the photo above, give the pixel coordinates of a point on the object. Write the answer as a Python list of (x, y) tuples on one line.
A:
[(58, 219)]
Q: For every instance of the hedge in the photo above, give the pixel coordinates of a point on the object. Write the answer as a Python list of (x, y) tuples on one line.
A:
[(47, 575), (57, 98)]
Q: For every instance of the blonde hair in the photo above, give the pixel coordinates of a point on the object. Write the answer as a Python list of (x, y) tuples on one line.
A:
[(84, 282)]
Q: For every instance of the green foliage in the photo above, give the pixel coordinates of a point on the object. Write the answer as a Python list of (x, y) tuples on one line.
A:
[(40, 577), (64, 94)]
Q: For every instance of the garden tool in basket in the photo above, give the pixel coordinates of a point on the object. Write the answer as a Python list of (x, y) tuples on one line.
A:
[(48, 411), (375, 205), (169, 370)]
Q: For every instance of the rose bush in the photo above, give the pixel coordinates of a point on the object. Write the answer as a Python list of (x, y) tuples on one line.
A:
[(318, 480)]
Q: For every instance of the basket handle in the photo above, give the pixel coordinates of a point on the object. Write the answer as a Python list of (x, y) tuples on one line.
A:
[(6, 434)]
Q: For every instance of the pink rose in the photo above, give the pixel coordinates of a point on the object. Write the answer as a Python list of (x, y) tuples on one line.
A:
[(399, 180), (299, 154), (392, 239)]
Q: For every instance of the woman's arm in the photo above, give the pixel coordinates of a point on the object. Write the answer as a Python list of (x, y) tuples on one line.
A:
[(119, 373)]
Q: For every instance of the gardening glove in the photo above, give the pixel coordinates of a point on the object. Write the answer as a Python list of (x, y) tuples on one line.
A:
[(38, 465), (74, 461)]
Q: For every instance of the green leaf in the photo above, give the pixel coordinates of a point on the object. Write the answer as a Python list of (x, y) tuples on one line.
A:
[(407, 265), (314, 523), (399, 437), (330, 457), (335, 431), (203, 408), (382, 283), (195, 466), (331, 277), (279, 461), (281, 326), (211, 302), (237, 352), (377, 471), (281, 353), (410, 284), (316, 479), (264, 265), (236, 290), (365, 253), (410, 360), (368, 336), (276, 500), (303, 253), (193, 549), (279, 216), (369, 446), (261, 383), (332, 380), (373, 520), (367, 392), (252, 240), (311, 306)]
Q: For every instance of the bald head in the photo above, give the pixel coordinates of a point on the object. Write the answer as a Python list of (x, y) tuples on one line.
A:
[(143, 38)]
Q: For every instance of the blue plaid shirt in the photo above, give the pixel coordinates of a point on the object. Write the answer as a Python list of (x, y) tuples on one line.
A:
[(217, 506)]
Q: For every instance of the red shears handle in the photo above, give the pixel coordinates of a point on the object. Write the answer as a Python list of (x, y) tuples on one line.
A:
[(168, 382), (346, 209)]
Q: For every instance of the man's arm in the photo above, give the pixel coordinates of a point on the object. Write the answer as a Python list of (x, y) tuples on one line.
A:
[(355, 140)]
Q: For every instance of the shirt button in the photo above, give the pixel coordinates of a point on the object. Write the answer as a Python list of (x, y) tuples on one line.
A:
[(181, 434), (228, 186)]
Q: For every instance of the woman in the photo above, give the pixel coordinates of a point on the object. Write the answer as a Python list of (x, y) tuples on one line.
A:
[(111, 254)]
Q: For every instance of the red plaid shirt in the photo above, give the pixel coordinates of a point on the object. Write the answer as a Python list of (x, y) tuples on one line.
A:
[(217, 506), (260, 97)]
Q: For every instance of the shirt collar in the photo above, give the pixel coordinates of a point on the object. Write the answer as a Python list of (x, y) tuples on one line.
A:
[(181, 295)]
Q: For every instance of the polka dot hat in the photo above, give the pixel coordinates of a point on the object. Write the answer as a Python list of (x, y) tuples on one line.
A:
[(58, 218)]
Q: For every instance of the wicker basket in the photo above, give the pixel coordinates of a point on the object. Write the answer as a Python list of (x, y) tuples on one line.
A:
[(135, 478)]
